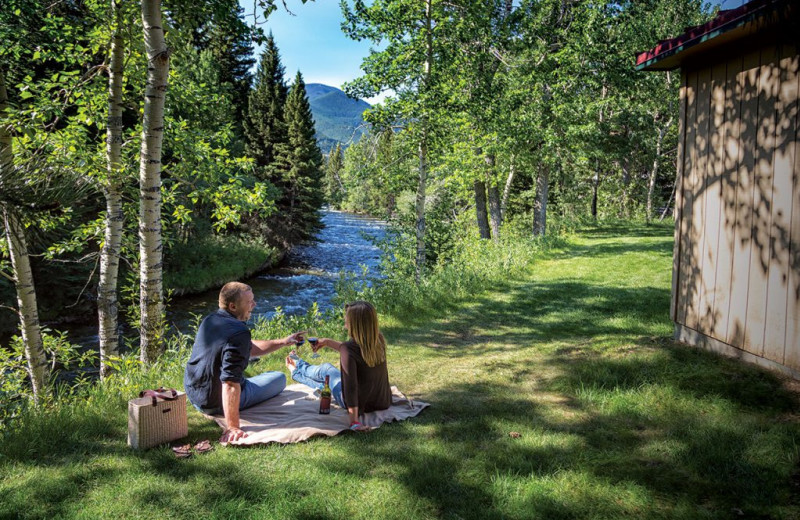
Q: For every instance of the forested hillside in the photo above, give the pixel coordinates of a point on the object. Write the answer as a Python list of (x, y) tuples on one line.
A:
[(338, 119)]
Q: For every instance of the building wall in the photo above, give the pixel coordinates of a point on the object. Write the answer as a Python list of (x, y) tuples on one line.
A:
[(736, 275)]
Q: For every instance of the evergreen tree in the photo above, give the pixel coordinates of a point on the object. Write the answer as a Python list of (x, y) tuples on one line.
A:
[(303, 159), (230, 42), (334, 189), (265, 126)]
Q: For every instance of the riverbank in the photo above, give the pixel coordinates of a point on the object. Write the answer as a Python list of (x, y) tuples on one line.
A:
[(211, 263), (556, 393)]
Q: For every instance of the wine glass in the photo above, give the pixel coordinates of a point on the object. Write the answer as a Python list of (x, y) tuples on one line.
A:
[(297, 344), (312, 340)]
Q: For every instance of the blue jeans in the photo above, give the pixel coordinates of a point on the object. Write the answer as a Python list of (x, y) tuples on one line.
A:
[(255, 390), (313, 376)]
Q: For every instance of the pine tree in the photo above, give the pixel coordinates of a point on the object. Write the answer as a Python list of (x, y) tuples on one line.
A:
[(334, 190), (265, 126), (303, 160), (230, 41)]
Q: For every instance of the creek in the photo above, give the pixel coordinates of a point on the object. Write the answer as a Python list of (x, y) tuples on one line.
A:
[(307, 274)]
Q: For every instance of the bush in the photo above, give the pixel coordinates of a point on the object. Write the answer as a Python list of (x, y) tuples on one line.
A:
[(212, 261)]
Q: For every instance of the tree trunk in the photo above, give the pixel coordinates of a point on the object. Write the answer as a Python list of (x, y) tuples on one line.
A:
[(507, 189), (150, 246), (626, 187), (109, 256), (423, 150), (481, 214), (26, 301), (595, 188), (494, 197), (420, 206), (23, 276), (651, 186), (540, 203)]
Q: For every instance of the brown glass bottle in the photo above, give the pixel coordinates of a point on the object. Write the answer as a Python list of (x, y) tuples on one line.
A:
[(325, 397)]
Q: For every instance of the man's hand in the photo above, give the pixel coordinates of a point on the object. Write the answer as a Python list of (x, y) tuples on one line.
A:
[(294, 338), (232, 434)]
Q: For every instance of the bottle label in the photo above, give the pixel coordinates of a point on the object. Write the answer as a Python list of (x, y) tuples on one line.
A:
[(325, 405)]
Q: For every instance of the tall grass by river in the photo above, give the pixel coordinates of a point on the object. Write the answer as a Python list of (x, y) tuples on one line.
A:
[(556, 392)]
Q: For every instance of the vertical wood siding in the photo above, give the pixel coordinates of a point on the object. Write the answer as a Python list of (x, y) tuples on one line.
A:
[(736, 276)]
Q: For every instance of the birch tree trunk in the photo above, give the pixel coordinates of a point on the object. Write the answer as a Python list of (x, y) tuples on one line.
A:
[(494, 197), (23, 276), (107, 310), (420, 205), (150, 247), (540, 203), (423, 151), (507, 189)]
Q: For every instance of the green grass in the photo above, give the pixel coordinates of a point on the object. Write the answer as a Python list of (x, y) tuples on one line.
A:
[(575, 355)]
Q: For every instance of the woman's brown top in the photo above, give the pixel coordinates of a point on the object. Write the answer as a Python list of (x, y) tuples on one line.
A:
[(362, 384)]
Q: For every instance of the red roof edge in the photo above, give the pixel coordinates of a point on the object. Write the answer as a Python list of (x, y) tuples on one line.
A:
[(724, 19)]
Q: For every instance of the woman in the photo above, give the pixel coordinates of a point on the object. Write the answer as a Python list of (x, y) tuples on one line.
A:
[(362, 385)]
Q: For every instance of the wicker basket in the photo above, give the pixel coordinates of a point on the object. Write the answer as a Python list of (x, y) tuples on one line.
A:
[(156, 419)]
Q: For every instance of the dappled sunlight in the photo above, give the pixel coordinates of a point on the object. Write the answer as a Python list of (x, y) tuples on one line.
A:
[(738, 263)]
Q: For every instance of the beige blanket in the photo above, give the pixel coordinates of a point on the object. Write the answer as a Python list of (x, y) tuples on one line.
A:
[(293, 416)]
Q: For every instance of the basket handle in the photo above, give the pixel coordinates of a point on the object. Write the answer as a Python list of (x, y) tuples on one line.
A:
[(160, 393)]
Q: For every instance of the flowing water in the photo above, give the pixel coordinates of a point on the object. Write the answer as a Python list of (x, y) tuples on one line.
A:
[(308, 274)]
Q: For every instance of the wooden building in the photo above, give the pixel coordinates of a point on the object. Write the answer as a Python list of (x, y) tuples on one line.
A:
[(736, 268)]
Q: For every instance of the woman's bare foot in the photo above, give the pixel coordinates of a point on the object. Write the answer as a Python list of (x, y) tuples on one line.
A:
[(290, 362)]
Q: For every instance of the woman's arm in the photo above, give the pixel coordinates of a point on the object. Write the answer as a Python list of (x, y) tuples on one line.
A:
[(330, 343)]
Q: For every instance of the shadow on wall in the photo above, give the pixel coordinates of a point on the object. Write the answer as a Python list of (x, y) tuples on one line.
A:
[(739, 248)]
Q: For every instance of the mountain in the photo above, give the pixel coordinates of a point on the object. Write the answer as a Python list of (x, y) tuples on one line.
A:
[(337, 118)]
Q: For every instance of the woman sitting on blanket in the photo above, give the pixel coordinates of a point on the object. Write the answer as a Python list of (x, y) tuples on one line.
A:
[(362, 385)]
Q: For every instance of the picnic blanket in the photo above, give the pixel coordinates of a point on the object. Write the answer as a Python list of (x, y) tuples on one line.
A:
[(293, 416)]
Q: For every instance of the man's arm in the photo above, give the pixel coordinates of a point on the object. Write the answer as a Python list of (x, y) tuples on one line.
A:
[(231, 393), (265, 346)]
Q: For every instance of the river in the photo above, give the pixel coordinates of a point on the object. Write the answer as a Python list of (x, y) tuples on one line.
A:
[(308, 274)]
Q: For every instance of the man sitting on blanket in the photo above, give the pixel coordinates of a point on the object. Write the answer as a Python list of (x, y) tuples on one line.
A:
[(214, 378)]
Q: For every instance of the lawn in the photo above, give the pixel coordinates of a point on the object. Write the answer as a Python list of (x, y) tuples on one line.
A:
[(559, 394)]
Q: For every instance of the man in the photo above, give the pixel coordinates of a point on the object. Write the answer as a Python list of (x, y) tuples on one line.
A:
[(214, 378)]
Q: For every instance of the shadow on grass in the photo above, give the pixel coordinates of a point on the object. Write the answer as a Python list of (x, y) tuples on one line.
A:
[(598, 457), (607, 249), (643, 429), (536, 312)]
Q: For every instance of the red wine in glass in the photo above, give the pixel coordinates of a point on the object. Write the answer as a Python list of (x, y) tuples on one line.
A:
[(313, 342)]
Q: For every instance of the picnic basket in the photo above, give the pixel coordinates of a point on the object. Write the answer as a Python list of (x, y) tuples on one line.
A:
[(156, 417)]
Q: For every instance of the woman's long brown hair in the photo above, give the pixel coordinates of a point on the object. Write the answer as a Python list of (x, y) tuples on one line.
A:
[(361, 320)]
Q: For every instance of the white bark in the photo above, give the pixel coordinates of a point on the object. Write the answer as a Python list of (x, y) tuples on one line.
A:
[(109, 256), (494, 196), (150, 246), (423, 151), (507, 188), (23, 276), (651, 187)]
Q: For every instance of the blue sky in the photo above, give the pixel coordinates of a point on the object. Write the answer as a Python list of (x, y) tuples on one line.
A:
[(312, 41)]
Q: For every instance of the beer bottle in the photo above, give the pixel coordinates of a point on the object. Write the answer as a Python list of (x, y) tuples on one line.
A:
[(325, 397)]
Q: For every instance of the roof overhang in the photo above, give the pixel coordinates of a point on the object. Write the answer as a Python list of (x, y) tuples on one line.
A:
[(728, 26)]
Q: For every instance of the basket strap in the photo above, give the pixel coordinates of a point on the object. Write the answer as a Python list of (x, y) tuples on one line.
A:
[(161, 393)]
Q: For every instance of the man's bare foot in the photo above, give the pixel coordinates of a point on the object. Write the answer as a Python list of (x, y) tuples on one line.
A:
[(290, 363)]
